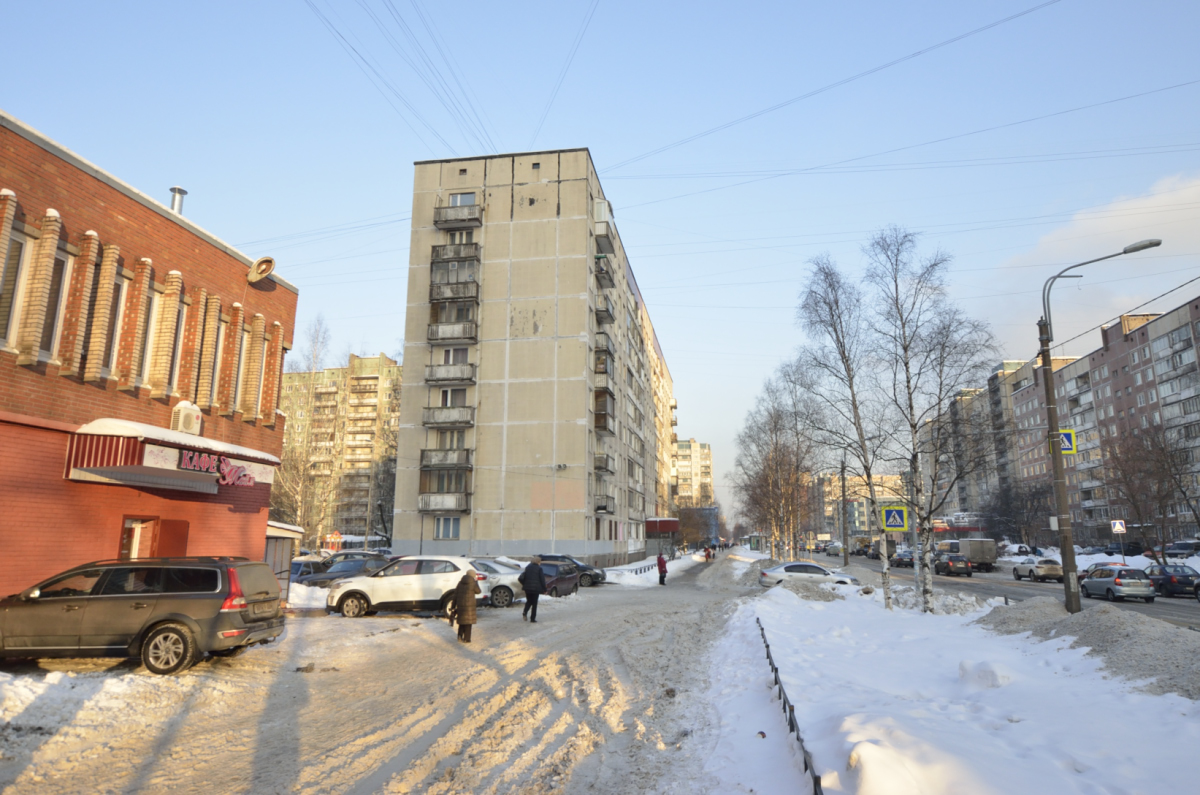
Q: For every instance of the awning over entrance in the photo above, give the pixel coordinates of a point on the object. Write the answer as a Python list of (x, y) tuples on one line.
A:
[(122, 452)]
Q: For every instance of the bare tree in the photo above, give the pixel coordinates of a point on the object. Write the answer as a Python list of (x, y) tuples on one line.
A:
[(1137, 466), (931, 352), (1019, 509), (836, 370)]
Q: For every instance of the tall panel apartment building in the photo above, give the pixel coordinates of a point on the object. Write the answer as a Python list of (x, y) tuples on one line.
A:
[(537, 391), (341, 446), (693, 471)]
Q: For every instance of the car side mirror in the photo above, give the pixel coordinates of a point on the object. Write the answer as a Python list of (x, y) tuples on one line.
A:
[(32, 593)]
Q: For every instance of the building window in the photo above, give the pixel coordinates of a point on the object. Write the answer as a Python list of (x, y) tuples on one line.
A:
[(216, 375), (452, 272), (451, 440), (462, 237), (54, 306), (9, 281), (243, 349), (453, 312), (462, 199), (454, 397), (148, 338), (446, 527), (452, 356)]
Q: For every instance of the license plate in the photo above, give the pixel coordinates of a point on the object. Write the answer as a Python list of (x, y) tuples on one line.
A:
[(263, 608)]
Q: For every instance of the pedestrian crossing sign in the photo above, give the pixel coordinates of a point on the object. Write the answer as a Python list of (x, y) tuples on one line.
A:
[(1118, 526), (895, 518), (1066, 441)]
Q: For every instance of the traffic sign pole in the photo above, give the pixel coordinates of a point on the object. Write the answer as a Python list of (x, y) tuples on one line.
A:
[(1066, 542)]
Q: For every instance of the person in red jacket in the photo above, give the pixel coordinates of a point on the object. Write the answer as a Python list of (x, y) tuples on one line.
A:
[(662, 569)]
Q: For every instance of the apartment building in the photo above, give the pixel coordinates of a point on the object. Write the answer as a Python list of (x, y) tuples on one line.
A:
[(140, 360), (693, 473), (888, 488), (341, 438), (532, 393)]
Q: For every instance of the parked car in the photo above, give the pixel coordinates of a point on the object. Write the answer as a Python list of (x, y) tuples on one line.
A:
[(1038, 570), (588, 575), (1094, 567), (833, 550), (1117, 583), (167, 611), (500, 586), (418, 582), (302, 568), (352, 554), (1093, 551), (902, 559), (804, 572), (1130, 548), (562, 578), (347, 567), (952, 565), (1183, 549), (1172, 579)]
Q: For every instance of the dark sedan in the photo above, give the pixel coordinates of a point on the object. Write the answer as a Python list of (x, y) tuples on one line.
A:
[(351, 567), (902, 560), (952, 564), (1173, 579), (562, 579), (588, 575)]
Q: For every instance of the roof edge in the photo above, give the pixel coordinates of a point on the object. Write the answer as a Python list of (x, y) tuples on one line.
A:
[(502, 154)]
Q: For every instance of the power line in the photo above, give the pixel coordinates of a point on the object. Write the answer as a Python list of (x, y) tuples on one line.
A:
[(1128, 312), (829, 87), (566, 66)]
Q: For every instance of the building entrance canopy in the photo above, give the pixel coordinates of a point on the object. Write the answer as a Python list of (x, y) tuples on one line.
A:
[(122, 452)]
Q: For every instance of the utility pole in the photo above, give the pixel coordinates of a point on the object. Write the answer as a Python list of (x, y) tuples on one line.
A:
[(845, 532)]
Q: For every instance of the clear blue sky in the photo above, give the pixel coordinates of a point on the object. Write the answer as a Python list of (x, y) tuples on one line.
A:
[(275, 130)]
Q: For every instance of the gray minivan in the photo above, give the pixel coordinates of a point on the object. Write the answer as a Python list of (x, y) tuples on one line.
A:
[(167, 611), (1117, 583)]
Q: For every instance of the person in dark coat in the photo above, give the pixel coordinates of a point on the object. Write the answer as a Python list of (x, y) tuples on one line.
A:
[(662, 569), (462, 609), (534, 583)]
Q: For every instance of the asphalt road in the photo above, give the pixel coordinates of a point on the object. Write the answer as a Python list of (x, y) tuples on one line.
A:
[(1181, 610)]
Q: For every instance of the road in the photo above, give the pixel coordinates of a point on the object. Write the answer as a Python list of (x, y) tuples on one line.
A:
[(1184, 611), (605, 694)]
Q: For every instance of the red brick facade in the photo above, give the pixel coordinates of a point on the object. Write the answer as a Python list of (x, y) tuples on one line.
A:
[(59, 207)]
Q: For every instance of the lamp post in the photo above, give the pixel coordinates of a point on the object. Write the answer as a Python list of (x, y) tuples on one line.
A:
[(1062, 520)]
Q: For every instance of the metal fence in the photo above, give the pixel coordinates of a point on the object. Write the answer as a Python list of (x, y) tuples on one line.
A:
[(789, 714)]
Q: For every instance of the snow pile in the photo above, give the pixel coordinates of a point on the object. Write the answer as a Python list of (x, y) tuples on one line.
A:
[(747, 574), (624, 575), (905, 702), (814, 592), (306, 596), (907, 597), (504, 560), (1131, 644)]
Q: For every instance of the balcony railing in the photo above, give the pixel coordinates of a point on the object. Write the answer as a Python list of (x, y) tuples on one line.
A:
[(636, 515), (456, 252), (606, 424), (603, 274), (605, 234), (361, 415), (364, 401), (604, 342), (450, 373), (452, 332), (445, 459), (468, 216), (325, 390), (454, 291), (604, 310), (606, 503), (448, 416), (604, 463), (603, 382), (444, 503), (360, 443)]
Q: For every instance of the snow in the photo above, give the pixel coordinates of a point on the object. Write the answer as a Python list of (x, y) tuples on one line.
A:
[(905, 702), (625, 575), (306, 596), (1133, 561)]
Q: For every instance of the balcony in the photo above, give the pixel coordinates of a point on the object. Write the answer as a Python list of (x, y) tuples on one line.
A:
[(604, 463), (604, 310), (364, 387), (636, 516), (604, 276), (450, 374), (606, 235), (606, 503), (325, 390), (445, 459), (364, 401), (674, 420), (452, 332), (606, 424), (444, 503), (454, 291), (361, 415), (358, 457), (360, 443), (603, 382), (448, 416), (604, 343), (456, 252), (468, 216)]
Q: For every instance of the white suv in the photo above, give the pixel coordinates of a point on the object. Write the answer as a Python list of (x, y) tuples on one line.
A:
[(420, 582)]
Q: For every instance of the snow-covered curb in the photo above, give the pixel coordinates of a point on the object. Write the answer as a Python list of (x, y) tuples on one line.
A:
[(626, 575)]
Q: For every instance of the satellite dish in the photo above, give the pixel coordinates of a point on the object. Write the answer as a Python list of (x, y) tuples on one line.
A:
[(261, 268)]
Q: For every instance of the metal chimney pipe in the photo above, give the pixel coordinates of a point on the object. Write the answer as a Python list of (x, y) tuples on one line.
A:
[(177, 194)]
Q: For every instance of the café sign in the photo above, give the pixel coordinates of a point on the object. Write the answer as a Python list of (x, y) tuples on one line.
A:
[(231, 473)]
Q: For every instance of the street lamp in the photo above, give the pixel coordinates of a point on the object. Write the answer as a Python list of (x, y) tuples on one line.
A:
[(1062, 520)]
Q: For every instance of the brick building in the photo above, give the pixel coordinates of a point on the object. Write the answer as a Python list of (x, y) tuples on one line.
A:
[(140, 363)]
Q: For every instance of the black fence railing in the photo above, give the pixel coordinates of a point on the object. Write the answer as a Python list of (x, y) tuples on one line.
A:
[(789, 714)]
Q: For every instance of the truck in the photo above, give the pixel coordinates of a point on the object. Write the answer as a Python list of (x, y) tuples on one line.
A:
[(980, 552), (859, 545), (874, 553)]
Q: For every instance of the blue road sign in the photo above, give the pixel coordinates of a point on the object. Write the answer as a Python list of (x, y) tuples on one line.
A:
[(1066, 441), (895, 518)]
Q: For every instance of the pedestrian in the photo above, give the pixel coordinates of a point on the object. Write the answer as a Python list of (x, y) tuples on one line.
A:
[(534, 583), (463, 607), (662, 569)]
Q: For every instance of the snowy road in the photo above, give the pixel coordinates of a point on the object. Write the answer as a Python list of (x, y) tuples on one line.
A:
[(606, 693)]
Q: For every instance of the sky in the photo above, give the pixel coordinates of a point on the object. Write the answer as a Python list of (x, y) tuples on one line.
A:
[(1055, 136)]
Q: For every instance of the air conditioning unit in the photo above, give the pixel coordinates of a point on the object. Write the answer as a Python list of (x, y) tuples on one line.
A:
[(186, 418)]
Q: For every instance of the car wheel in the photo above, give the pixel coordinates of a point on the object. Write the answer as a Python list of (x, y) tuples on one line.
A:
[(1016, 575), (1149, 600), (574, 589), (1109, 595), (169, 649), (585, 580), (554, 592), (354, 606), (1060, 579), (968, 574), (1086, 593), (446, 603), (501, 596)]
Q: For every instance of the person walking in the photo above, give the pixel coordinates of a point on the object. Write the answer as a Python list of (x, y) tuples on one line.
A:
[(662, 569), (463, 608), (534, 583)]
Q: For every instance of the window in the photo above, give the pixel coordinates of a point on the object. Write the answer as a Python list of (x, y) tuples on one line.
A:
[(1141, 398), (447, 481), (125, 581), (53, 307), (114, 323), (78, 584), (453, 356), (454, 397), (462, 199), (537, 166), (445, 527), (462, 237), (452, 272), (1133, 357), (243, 349), (1153, 396), (1137, 379), (173, 366), (451, 440), (186, 580), (143, 355), (462, 172), (453, 312), (216, 376), (437, 566), (10, 272)]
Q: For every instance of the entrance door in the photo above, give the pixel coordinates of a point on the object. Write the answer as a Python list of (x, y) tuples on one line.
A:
[(137, 539)]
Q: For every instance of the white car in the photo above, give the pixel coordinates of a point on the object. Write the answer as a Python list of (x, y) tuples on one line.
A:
[(1038, 569), (500, 585), (420, 582), (805, 572)]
